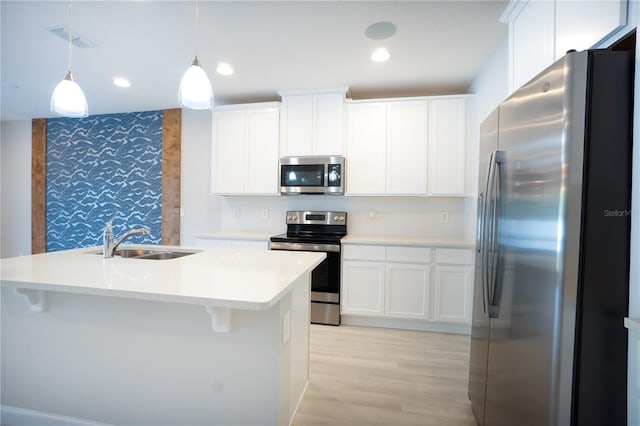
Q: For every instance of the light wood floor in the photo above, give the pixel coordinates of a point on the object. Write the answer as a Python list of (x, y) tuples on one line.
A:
[(375, 376)]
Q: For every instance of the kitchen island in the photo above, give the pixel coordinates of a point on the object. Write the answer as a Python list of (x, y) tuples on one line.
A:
[(215, 337)]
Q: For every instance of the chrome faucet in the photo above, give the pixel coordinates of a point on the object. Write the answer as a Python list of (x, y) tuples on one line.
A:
[(109, 245)]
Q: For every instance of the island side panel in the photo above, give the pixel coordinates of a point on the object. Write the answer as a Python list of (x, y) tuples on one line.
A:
[(300, 320), (125, 361)]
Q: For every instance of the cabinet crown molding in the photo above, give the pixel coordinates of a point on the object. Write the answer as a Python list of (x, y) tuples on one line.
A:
[(275, 104), (339, 89), (514, 7)]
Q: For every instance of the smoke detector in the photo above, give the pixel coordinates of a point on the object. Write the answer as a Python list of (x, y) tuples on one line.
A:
[(62, 31)]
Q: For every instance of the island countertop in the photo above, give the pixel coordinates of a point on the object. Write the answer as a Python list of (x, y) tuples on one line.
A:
[(226, 278)]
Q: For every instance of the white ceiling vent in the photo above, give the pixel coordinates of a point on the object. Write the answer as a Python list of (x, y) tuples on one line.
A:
[(62, 31)]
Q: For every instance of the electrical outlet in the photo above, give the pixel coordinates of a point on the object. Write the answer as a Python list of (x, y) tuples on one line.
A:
[(265, 213), (286, 327), (444, 217), (238, 213)]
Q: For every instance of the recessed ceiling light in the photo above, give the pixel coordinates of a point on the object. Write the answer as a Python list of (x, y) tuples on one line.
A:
[(121, 82), (224, 69), (380, 55), (380, 30)]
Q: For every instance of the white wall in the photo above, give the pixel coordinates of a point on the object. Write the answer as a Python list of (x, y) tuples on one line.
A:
[(491, 85), (15, 188), (385, 216), (200, 210)]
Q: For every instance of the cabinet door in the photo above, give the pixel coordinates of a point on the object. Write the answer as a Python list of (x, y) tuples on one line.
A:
[(229, 152), (406, 148), (366, 148), (362, 288), (447, 155), (452, 294), (328, 124), (532, 41), (582, 24), (262, 153), (407, 291), (297, 125)]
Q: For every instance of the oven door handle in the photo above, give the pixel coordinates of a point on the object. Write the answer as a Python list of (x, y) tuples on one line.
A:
[(335, 248)]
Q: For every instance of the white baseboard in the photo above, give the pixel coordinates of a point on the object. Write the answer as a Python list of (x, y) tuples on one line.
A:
[(14, 416), (406, 324)]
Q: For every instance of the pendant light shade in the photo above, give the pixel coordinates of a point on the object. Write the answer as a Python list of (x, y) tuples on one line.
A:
[(68, 99), (195, 89)]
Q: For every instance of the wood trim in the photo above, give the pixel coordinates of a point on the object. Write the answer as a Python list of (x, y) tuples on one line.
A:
[(171, 143), (38, 185)]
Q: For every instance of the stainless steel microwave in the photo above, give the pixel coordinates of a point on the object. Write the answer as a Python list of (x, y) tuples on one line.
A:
[(312, 175)]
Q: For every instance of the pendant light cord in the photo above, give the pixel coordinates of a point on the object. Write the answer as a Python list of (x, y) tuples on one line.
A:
[(70, 32), (197, 25)]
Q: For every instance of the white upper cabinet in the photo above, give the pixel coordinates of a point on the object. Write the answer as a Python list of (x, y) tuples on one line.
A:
[(541, 32), (367, 148), (415, 146), (387, 148), (245, 149), (531, 41), (447, 146), (407, 147), (582, 24), (312, 123)]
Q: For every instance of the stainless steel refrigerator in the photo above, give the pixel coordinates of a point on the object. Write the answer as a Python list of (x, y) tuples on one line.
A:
[(548, 344)]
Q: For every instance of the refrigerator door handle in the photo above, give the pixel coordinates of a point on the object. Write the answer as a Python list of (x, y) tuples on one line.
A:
[(480, 222), (480, 249), (485, 233), (493, 257)]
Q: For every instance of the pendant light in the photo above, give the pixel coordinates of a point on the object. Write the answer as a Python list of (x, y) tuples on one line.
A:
[(68, 99), (195, 89)]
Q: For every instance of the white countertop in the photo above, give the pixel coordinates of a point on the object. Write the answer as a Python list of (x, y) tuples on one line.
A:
[(239, 235), (350, 239), (632, 324), (407, 241), (228, 278)]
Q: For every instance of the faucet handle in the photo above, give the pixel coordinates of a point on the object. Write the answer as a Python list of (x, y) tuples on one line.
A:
[(110, 222)]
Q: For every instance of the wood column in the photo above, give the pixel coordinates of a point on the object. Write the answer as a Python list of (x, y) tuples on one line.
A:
[(38, 185), (171, 146)]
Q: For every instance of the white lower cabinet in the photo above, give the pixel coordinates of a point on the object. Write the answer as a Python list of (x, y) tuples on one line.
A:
[(407, 290), (452, 293), (364, 293), (429, 285)]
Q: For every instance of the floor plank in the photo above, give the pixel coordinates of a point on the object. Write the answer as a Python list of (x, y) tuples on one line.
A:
[(377, 376)]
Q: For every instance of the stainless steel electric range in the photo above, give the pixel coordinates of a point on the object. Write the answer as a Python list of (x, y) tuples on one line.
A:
[(319, 231)]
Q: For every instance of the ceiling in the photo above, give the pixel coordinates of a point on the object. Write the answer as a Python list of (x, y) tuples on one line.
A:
[(438, 48)]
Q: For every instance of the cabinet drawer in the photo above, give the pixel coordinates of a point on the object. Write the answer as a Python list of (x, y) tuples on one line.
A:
[(408, 254), (363, 252), (457, 256)]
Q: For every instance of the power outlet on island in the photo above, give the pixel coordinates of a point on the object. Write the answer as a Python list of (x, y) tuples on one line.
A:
[(286, 327), (444, 217)]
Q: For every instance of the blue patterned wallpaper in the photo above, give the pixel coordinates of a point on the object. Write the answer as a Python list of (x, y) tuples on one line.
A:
[(101, 166)]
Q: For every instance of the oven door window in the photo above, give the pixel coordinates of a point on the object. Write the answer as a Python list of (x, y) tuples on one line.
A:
[(302, 175), (325, 278)]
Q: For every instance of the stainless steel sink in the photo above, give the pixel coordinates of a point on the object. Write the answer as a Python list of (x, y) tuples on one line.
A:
[(149, 254)]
